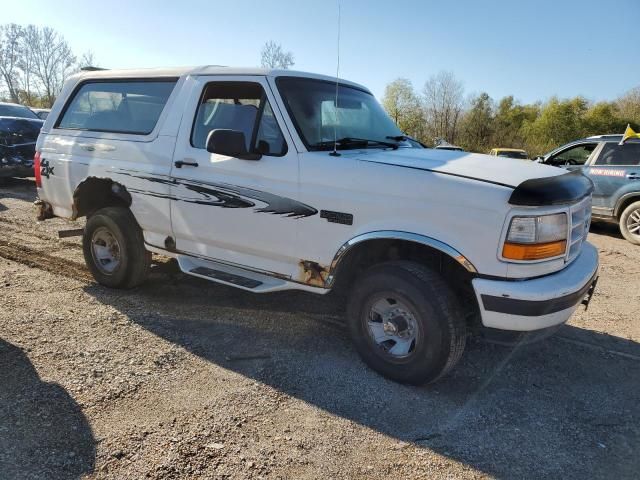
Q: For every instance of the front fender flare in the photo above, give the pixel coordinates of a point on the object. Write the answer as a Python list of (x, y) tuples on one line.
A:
[(396, 235)]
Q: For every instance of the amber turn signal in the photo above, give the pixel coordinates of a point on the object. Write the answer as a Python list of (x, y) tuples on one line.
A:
[(535, 251)]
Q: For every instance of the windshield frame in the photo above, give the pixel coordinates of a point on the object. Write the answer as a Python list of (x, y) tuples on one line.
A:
[(294, 121)]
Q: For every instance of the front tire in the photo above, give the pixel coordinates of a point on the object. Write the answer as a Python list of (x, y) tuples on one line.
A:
[(113, 248), (630, 223), (406, 323)]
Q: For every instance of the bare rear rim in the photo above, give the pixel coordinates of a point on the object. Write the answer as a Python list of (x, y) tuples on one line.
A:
[(392, 327), (633, 223), (105, 250)]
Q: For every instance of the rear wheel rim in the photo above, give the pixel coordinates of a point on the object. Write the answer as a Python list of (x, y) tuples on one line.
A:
[(392, 327), (105, 250), (633, 222)]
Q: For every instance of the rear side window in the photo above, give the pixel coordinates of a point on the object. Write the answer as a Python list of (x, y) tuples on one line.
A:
[(625, 154), (119, 107)]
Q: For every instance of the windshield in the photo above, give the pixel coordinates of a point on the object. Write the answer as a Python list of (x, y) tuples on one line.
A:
[(17, 111), (520, 155), (311, 104)]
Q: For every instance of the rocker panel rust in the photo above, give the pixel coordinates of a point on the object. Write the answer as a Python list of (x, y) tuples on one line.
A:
[(313, 274)]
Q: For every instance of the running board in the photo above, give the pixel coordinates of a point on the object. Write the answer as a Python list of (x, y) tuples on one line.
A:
[(232, 276)]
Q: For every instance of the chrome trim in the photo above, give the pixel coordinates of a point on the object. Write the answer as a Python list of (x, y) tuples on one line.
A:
[(396, 235)]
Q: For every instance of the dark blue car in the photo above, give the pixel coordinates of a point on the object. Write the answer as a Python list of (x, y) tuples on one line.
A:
[(615, 172)]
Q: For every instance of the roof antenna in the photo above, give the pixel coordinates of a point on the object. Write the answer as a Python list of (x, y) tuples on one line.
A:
[(335, 123)]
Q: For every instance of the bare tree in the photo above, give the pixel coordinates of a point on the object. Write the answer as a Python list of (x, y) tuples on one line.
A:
[(87, 59), (272, 56), (53, 62), (442, 98), (10, 38), (26, 63)]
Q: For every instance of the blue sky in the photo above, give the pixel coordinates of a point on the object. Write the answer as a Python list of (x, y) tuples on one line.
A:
[(532, 49)]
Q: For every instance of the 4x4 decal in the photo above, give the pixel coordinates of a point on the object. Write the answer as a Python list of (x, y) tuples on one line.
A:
[(46, 169)]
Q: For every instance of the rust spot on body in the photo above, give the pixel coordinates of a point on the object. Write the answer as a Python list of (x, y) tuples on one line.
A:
[(44, 210), (312, 273)]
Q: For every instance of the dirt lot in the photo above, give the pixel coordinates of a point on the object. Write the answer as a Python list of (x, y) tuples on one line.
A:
[(182, 378)]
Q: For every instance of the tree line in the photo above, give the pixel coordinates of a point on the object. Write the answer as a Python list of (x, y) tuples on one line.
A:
[(479, 123), (34, 64), (36, 61)]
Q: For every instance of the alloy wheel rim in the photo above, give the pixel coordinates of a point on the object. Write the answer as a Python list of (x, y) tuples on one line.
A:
[(392, 326), (633, 223), (105, 250)]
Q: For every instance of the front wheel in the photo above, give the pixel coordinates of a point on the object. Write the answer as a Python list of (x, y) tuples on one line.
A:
[(114, 250), (630, 223), (406, 323)]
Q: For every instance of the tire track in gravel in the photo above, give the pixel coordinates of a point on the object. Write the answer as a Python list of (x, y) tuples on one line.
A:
[(38, 259)]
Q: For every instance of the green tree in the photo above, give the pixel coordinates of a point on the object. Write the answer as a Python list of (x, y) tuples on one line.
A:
[(602, 118), (628, 106), (560, 121), (511, 119), (403, 106), (476, 129)]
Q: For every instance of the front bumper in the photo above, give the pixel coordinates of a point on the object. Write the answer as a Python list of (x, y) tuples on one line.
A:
[(540, 302)]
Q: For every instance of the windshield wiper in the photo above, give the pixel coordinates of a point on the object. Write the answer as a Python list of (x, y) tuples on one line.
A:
[(398, 138), (404, 138), (350, 141)]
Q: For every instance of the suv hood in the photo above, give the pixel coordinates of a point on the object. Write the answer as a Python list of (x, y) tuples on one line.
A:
[(508, 172)]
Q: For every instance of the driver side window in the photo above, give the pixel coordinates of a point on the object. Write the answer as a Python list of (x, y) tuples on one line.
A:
[(240, 106), (577, 155)]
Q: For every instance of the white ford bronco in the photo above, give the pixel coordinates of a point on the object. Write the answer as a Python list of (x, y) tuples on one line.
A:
[(272, 180)]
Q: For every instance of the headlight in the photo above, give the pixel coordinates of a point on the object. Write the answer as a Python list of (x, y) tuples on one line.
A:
[(536, 238)]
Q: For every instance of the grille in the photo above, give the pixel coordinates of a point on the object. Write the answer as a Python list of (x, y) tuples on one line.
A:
[(580, 221)]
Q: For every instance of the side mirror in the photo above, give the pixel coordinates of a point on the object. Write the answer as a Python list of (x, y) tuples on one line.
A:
[(231, 143), (539, 159)]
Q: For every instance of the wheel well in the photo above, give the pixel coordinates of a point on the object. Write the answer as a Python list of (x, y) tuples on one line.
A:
[(372, 252), (625, 203), (95, 193)]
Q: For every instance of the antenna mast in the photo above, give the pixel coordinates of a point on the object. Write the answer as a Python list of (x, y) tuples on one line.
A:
[(335, 124)]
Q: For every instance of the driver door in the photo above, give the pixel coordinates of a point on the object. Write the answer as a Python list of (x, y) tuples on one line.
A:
[(241, 212)]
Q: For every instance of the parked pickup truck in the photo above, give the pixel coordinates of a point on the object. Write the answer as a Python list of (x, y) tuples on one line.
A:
[(267, 180)]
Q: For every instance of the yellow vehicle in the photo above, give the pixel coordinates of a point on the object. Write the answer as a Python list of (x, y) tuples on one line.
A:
[(510, 153)]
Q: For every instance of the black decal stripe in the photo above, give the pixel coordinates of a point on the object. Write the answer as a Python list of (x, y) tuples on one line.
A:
[(412, 167), (228, 196), (534, 308)]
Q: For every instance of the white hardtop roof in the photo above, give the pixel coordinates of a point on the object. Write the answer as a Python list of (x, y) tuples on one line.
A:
[(206, 70)]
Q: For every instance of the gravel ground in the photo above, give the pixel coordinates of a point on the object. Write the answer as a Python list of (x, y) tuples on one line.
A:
[(182, 378)]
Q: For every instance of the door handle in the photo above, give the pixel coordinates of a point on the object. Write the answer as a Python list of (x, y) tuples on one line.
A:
[(189, 163), (633, 176)]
